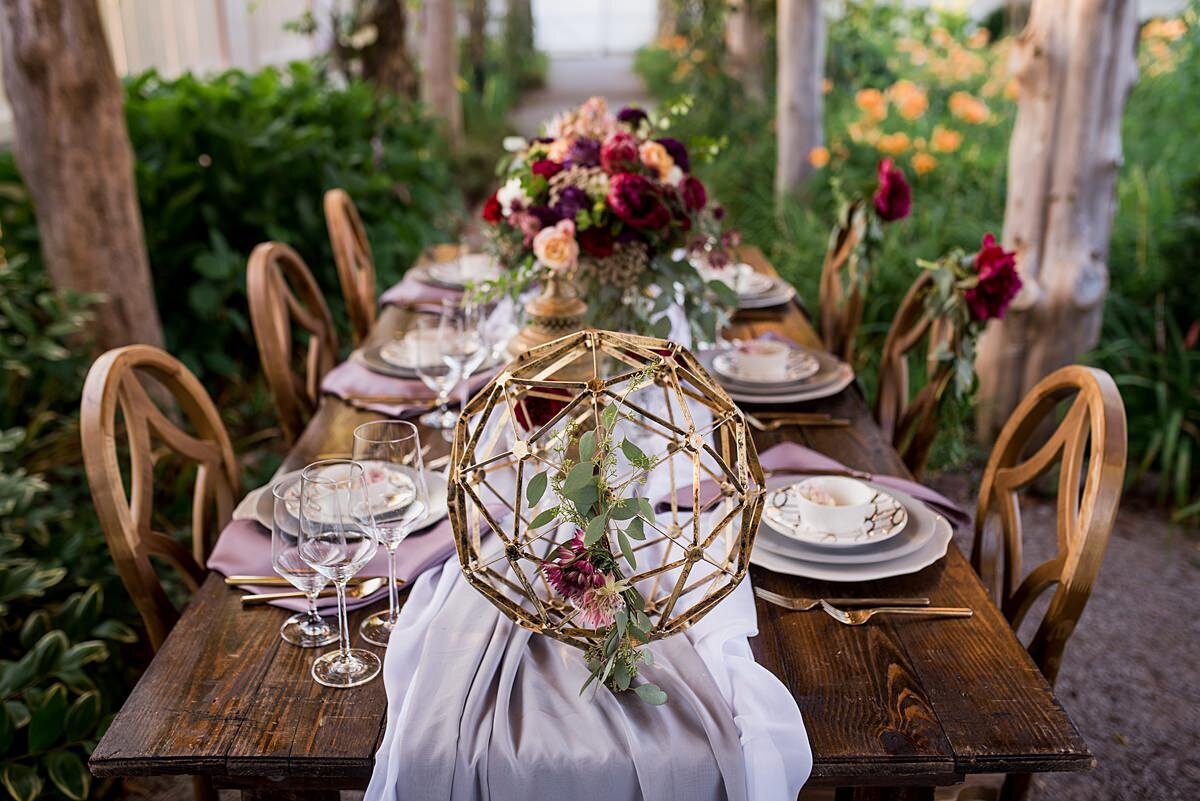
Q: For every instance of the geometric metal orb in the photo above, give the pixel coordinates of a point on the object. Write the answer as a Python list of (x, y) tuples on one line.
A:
[(694, 463)]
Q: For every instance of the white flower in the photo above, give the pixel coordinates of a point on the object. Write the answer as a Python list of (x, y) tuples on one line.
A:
[(510, 195), (514, 144), (674, 176)]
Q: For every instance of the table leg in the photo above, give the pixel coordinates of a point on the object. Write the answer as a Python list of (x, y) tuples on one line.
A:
[(884, 794), (283, 794)]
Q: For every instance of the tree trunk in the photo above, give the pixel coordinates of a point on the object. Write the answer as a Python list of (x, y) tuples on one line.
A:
[(74, 154), (386, 62), (439, 65), (668, 18), (745, 44), (1075, 64), (477, 41), (801, 68)]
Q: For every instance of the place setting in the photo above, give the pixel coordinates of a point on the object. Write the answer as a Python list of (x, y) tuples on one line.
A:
[(754, 289), (769, 371), (447, 275)]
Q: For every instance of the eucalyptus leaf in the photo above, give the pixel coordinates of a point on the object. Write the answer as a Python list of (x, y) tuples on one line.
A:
[(595, 530), (587, 446), (536, 488), (635, 529), (626, 550), (651, 694), (544, 517), (580, 476)]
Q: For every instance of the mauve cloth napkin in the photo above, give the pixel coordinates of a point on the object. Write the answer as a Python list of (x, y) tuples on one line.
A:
[(350, 378), (412, 291), (789, 456), (244, 549)]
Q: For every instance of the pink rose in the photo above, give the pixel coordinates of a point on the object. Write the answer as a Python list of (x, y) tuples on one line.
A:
[(893, 199), (998, 282), (527, 223), (619, 152), (555, 246)]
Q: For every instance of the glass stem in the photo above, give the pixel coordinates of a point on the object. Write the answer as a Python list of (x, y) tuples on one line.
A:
[(343, 624), (313, 614), (393, 595)]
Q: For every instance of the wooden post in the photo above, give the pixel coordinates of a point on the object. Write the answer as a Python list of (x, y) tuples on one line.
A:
[(1075, 64), (386, 62), (745, 44), (801, 68), (73, 151), (668, 19), (439, 65)]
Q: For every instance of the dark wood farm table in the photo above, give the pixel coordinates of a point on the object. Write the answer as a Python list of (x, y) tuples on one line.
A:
[(892, 708)]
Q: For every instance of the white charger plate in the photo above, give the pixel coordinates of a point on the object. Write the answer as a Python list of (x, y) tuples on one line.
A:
[(782, 293), (842, 378), (917, 558), (435, 483), (470, 268)]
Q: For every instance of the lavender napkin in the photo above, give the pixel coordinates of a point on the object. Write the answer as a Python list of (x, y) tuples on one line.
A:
[(350, 379), (789, 456), (244, 549), (411, 291)]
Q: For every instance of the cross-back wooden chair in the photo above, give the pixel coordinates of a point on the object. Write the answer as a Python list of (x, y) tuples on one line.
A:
[(1088, 446), (355, 264), (116, 384), (912, 424), (283, 297), (842, 305)]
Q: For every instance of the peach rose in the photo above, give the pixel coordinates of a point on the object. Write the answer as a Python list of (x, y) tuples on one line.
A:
[(555, 246), (656, 157)]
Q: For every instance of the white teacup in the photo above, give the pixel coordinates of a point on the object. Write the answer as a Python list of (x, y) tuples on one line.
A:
[(833, 504), (763, 360)]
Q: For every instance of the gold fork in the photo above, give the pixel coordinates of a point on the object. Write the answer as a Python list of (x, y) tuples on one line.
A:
[(805, 604), (857, 617)]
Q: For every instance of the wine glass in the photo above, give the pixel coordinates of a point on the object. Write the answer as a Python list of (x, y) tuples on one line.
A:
[(442, 350), (337, 537), (305, 629), (390, 453)]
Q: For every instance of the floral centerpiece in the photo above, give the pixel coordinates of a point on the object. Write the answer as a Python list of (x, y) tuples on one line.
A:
[(605, 200), (967, 290)]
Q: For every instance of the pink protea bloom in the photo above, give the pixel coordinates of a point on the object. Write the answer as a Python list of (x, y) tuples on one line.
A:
[(571, 573), (598, 606)]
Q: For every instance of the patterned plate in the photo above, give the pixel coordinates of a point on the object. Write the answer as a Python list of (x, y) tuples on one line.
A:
[(801, 365), (886, 519)]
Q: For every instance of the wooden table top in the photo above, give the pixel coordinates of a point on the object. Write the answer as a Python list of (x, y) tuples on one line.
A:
[(901, 702)]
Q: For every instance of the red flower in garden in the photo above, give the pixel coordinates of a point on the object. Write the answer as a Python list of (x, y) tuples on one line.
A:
[(893, 199), (596, 241), (491, 209), (998, 282), (619, 152), (545, 168), (636, 202), (692, 191)]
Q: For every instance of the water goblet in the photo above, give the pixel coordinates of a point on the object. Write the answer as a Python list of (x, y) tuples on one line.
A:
[(337, 537), (390, 453), (305, 629)]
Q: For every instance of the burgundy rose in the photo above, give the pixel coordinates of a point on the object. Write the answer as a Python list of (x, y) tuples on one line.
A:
[(632, 116), (596, 241), (893, 199), (619, 152), (583, 152), (677, 151), (692, 191), (636, 202), (545, 168), (571, 201), (998, 283), (491, 209)]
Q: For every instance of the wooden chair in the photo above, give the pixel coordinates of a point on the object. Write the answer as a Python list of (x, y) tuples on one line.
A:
[(115, 384), (1088, 445), (912, 424), (842, 306), (282, 294), (355, 265)]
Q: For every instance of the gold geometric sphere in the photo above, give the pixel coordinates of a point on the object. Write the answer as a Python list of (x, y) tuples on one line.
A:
[(662, 441)]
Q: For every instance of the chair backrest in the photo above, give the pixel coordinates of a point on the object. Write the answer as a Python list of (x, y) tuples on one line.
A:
[(284, 296), (912, 424), (1088, 445), (115, 384), (355, 265), (842, 306)]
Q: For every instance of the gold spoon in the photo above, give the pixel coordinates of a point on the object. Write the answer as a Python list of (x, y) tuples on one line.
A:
[(365, 588)]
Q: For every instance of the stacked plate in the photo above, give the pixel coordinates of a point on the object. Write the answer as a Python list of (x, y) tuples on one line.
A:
[(755, 290), (457, 273), (809, 375), (399, 358), (898, 535)]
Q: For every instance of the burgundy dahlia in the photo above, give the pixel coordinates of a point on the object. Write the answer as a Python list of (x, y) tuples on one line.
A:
[(636, 202), (545, 168), (596, 241), (677, 151), (619, 152), (893, 199), (998, 283), (571, 573), (632, 116), (583, 152), (693, 193)]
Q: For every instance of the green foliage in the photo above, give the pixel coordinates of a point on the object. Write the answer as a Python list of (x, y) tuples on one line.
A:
[(61, 606)]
